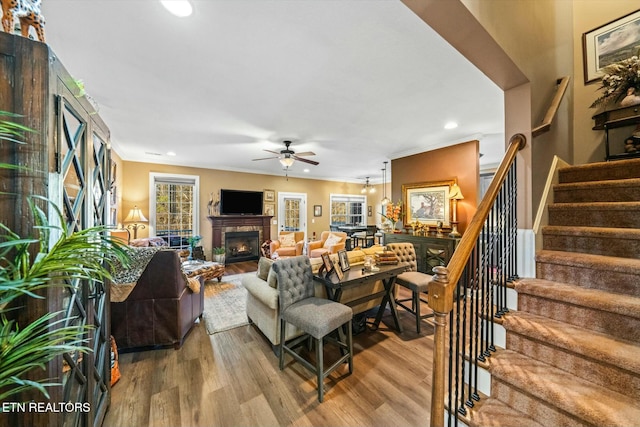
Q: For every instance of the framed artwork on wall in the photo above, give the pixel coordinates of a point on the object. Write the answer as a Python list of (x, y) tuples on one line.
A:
[(269, 209), (427, 202), (609, 43), (317, 210), (269, 196)]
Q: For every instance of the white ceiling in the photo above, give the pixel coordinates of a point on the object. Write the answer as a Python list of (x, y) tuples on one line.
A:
[(357, 82)]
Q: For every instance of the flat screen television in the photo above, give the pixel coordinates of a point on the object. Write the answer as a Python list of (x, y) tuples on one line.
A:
[(240, 202)]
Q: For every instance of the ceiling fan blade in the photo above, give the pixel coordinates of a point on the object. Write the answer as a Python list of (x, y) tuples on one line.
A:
[(311, 162), (265, 158), (274, 152), (306, 153)]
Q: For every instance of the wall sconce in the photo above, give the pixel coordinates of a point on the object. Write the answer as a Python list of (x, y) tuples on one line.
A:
[(455, 194), (135, 216)]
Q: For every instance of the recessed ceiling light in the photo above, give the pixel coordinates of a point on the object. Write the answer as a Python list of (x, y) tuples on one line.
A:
[(170, 153), (306, 170), (451, 125), (179, 8)]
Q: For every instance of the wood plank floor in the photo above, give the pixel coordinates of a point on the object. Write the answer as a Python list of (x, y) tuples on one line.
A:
[(232, 379)]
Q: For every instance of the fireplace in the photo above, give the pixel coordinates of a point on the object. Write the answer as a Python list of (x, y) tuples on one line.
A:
[(241, 246), (222, 225)]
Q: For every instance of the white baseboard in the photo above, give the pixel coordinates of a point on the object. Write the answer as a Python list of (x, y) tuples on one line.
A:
[(526, 256)]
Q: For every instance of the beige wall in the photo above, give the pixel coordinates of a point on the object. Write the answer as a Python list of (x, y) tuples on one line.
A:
[(587, 15), (135, 191), (118, 187), (538, 37)]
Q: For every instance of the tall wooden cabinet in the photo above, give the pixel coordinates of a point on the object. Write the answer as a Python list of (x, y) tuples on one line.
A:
[(68, 160)]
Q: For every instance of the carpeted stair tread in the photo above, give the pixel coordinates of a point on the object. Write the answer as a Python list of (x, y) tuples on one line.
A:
[(587, 401), (615, 190), (629, 168), (589, 344), (597, 206), (607, 232), (598, 262), (495, 413), (627, 305), (596, 214), (618, 242)]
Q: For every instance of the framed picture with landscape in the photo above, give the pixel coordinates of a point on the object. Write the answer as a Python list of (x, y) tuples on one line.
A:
[(609, 43), (427, 202)]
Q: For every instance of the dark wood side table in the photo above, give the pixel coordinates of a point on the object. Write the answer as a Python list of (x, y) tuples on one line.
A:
[(617, 118), (431, 251), (357, 277)]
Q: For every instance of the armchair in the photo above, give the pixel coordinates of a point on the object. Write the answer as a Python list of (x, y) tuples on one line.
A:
[(289, 243), (330, 241)]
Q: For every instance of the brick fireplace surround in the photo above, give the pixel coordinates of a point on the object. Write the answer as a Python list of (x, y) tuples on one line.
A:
[(226, 223)]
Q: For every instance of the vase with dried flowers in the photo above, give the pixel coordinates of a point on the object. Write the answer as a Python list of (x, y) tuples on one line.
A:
[(620, 83)]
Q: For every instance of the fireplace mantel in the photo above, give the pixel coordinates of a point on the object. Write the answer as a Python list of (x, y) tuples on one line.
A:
[(222, 222)]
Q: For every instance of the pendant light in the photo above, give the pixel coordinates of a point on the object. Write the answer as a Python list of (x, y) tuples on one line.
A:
[(368, 188), (385, 199)]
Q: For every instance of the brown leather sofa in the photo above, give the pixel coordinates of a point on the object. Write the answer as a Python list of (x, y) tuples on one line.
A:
[(160, 310)]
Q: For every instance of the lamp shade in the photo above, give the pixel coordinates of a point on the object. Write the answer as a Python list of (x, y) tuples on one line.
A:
[(135, 215), (455, 193)]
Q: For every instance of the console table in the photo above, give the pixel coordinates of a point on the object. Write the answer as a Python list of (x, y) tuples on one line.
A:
[(356, 276), (620, 117), (431, 251)]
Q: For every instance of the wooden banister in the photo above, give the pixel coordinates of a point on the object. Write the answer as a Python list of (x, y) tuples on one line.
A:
[(562, 83), (443, 284)]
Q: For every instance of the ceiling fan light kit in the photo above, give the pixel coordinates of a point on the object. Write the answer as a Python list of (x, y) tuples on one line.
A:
[(287, 156)]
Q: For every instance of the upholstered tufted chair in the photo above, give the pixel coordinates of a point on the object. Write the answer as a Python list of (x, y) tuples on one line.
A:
[(317, 317), (412, 279)]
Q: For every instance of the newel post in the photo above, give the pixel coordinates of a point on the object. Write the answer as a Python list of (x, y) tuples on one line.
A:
[(440, 299)]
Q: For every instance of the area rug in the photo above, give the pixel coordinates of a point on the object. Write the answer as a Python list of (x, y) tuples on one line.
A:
[(225, 304)]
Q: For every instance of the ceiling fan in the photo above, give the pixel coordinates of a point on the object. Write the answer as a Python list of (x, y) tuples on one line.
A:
[(287, 156)]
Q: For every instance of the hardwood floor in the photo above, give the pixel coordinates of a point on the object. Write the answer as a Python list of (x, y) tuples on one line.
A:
[(232, 379)]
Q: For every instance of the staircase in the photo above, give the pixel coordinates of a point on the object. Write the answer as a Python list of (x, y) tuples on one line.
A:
[(572, 354)]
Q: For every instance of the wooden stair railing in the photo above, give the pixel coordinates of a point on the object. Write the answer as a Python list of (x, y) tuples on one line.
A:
[(476, 275), (562, 83)]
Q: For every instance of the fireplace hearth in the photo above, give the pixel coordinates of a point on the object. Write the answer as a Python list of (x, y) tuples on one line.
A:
[(241, 246)]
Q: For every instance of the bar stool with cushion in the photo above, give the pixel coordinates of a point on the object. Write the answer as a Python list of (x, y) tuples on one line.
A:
[(316, 317), (411, 279)]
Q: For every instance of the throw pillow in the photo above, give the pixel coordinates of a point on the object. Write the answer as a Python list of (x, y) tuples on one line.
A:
[(287, 240), (264, 265), (332, 240), (272, 279)]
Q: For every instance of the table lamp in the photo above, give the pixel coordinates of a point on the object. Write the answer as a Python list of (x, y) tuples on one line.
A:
[(135, 216), (455, 194)]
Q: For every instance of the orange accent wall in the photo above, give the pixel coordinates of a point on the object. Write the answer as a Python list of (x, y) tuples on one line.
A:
[(461, 162)]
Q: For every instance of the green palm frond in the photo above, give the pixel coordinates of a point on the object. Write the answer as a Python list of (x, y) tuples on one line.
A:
[(88, 254), (22, 350), (12, 131)]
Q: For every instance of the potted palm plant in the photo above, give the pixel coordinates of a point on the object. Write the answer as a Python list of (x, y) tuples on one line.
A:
[(86, 254)]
